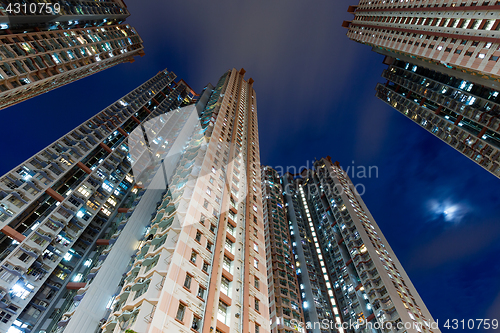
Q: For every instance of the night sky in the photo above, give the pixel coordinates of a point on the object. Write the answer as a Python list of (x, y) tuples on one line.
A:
[(316, 97)]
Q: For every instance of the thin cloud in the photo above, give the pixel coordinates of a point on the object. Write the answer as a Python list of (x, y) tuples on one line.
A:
[(459, 244)]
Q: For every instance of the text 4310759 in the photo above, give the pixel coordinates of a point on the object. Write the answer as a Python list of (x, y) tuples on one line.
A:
[(18, 8)]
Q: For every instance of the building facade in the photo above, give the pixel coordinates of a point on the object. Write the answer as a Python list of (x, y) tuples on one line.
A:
[(45, 46), (54, 206), (461, 113), (285, 307), (443, 68), (457, 34), (201, 264), (313, 291), (350, 279)]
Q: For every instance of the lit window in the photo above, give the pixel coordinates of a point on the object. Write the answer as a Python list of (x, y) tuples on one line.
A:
[(489, 25), (224, 285), (227, 264), (14, 329), (105, 211), (230, 229), (193, 256), (112, 201), (107, 187), (201, 292), (229, 245), (22, 291), (84, 191), (222, 312)]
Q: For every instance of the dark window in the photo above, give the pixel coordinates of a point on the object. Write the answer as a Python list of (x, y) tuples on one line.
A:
[(187, 281), (180, 312), (205, 266), (196, 325)]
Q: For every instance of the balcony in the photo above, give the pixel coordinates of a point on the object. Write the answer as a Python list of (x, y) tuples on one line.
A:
[(121, 225), (75, 225), (13, 269), (71, 232), (165, 223), (60, 243), (64, 321), (125, 293)]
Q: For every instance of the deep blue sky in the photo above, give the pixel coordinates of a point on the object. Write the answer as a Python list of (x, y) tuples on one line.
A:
[(316, 97)]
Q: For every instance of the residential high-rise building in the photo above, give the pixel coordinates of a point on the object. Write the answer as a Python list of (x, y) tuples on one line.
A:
[(179, 244), (47, 45), (462, 113), (457, 34), (285, 306), (201, 265), (313, 289), (350, 279), (443, 70), (57, 204)]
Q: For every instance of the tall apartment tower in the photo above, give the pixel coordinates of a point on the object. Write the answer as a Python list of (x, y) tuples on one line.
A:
[(461, 113), (200, 265), (47, 45), (455, 34), (313, 289), (285, 306), (443, 69), (57, 204), (350, 279)]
